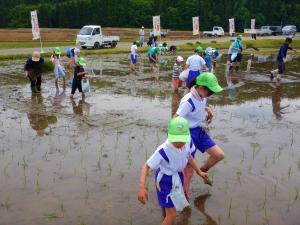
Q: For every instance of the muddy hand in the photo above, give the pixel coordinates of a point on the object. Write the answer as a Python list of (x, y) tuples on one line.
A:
[(143, 196)]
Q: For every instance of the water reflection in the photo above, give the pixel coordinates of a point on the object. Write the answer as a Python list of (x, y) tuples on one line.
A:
[(82, 108), (37, 115), (276, 100), (59, 97), (175, 102), (199, 203)]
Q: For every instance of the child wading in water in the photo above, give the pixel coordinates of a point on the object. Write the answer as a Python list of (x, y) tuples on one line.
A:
[(171, 158), (58, 69), (177, 69), (193, 107), (79, 73)]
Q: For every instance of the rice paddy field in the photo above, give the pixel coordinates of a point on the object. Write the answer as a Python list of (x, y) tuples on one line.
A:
[(78, 161)]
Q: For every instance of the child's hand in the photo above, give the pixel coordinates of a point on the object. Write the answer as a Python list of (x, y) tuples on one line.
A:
[(204, 177), (143, 195), (210, 114)]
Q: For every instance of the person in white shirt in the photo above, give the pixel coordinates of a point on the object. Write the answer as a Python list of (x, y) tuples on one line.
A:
[(193, 107), (133, 56), (169, 160), (196, 65), (142, 36)]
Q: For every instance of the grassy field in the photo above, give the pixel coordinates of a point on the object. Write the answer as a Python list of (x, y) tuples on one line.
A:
[(34, 44)]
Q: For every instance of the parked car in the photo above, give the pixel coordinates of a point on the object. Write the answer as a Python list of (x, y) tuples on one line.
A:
[(91, 37), (264, 31), (276, 30), (289, 29), (217, 31)]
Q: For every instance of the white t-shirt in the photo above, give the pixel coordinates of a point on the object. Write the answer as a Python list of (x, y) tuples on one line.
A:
[(192, 109), (178, 158), (134, 49), (195, 62), (142, 32)]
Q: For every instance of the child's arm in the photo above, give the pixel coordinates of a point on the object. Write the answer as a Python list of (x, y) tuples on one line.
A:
[(210, 114), (198, 171), (143, 195), (81, 73)]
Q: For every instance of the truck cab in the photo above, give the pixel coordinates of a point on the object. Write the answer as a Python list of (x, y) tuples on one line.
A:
[(91, 36)]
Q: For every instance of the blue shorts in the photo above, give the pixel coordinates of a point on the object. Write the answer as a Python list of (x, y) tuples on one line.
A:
[(165, 189), (59, 71), (133, 59), (192, 75), (201, 140)]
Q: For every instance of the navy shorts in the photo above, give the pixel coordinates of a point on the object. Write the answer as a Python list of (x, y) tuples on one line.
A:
[(152, 61), (238, 58), (165, 185), (133, 59), (201, 140), (281, 67)]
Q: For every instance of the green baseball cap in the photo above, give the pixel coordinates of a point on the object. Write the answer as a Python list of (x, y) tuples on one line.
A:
[(210, 81), (178, 130), (158, 49), (57, 50), (199, 49), (240, 37), (81, 61)]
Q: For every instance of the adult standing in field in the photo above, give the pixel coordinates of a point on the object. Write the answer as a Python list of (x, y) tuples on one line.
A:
[(282, 58), (133, 56), (142, 36), (196, 65), (236, 53), (152, 55), (33, 71)]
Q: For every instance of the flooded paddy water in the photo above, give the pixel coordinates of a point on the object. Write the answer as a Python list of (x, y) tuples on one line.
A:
[(78, 162)]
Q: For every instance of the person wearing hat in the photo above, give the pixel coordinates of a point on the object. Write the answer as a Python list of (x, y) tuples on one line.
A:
[(236, 53), (58, 68), (193, 107), (195, 64), (169, 160), (33, 71), (133, 56), (79, 73), (142, 36), (152, 56), (177, 69)]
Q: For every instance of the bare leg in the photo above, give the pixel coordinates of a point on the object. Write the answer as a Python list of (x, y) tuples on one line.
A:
[(216, 154), (170, 216), (56, 83)]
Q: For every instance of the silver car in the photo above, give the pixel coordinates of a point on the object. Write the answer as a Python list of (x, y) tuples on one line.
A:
[(289, 29)]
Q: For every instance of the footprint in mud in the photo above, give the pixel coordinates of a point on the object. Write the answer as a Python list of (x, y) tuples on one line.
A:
[(221, 137)]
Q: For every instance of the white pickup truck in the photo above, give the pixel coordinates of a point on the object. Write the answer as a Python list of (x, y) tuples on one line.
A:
[(91, 37), (217, 31)]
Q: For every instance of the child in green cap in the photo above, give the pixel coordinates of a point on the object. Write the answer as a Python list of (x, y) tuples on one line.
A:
[(79, 73), (170, 159), (58, 68), (193, 107)]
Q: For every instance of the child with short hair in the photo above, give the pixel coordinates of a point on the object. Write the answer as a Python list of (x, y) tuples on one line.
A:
[(170, 159), (58, 68), (177, 69), (79, 74), (133, 56)]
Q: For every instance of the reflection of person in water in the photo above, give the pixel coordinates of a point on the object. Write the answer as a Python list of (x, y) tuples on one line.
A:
[(276, 101), (37, 115), (82, 107), (59, 97), (200, 205), (232, 89)]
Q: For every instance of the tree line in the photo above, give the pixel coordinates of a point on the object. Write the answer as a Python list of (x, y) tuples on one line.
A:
[(175, 14)]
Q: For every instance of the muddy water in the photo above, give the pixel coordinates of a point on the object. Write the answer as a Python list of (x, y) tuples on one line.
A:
[(77, 162)]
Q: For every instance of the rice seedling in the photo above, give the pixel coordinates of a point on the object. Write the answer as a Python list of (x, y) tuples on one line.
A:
[(275, 188), (45, 156), (130, 220), (109, 168), (226, 185), (7, 202), (243, 157), (121, 175), (266, 162), (250, 169), (247, 212), (265, 198), (296, 194), (5, 170), (230, 208), (238, 176), (290, 171), (219, 219), (37, 186), (81, 222), (62, 207), (87, 195), (274, 157), (51, 216), (298, 163)]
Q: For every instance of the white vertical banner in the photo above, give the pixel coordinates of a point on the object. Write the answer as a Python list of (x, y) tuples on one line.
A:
[(253, 30), (156, 25), (35, 25), (196, 29), (231, 26)]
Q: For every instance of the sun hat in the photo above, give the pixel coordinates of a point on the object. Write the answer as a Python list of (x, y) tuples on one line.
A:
[(240, 37), (210, 81), (57, 50), (179, 59), (36, 56), (158, 49), (81, 61), (178, 130)]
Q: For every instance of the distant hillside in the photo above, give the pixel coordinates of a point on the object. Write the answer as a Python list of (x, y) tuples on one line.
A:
[(175, 14)]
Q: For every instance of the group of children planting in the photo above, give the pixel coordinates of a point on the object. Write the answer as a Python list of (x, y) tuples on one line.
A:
[(34, 67)]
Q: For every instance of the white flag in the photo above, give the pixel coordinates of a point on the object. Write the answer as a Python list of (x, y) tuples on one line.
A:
[(195, 25), (253, 26), (231, 26), (156, 25), (35, 25)]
